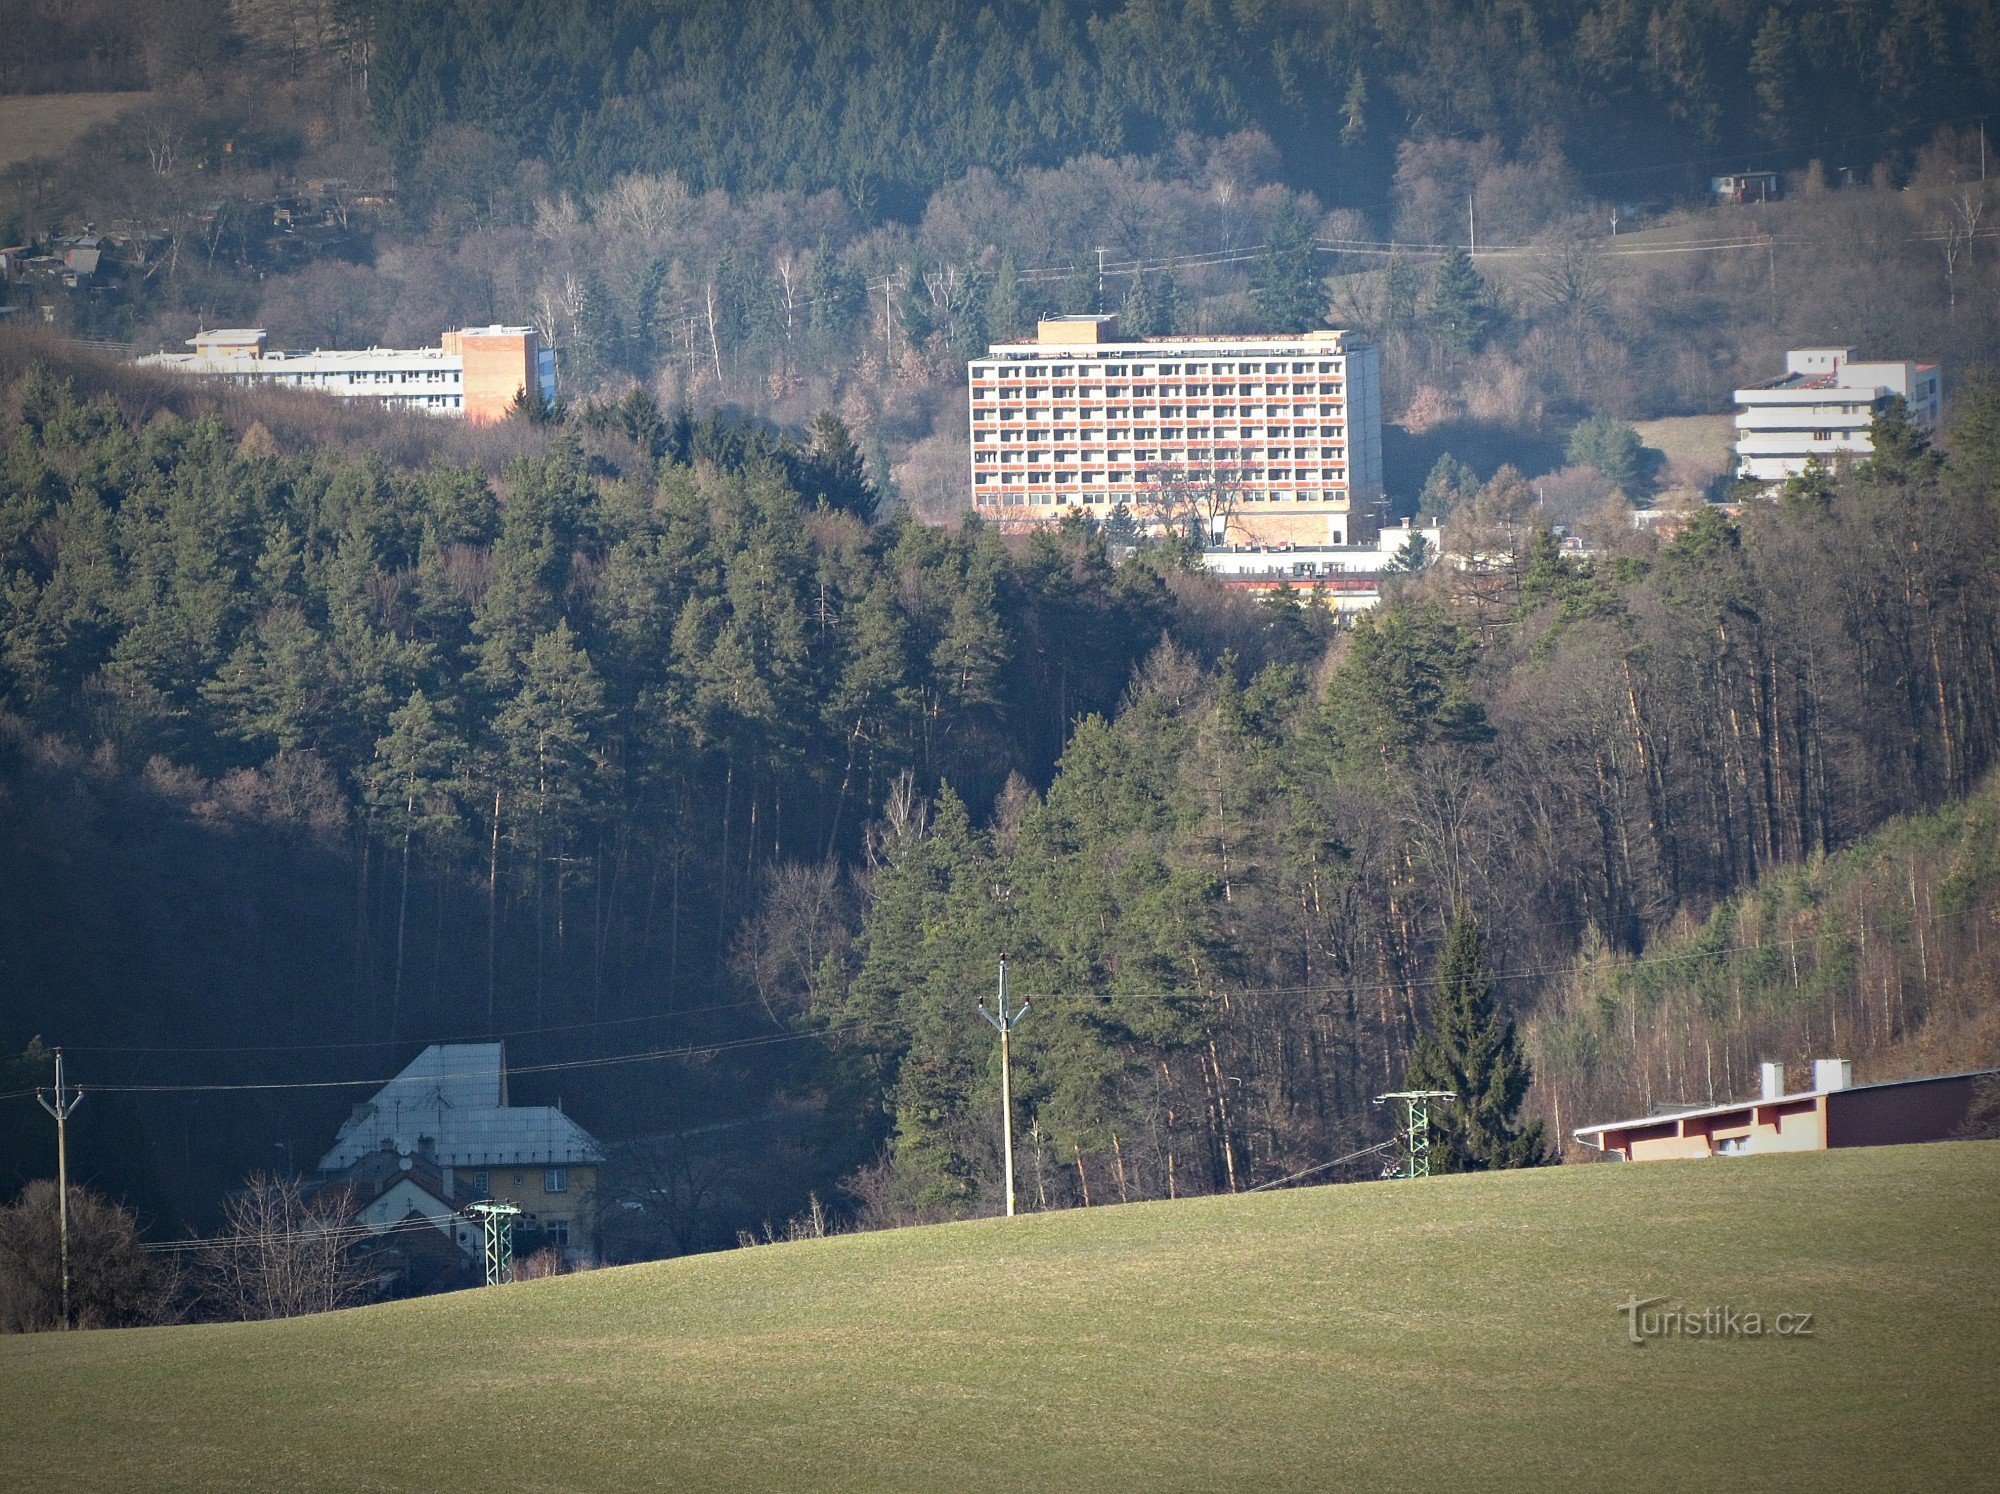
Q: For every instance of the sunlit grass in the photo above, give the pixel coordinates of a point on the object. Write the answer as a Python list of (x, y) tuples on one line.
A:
[(1401, 1334)]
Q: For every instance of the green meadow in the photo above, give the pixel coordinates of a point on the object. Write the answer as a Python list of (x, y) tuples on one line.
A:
[(1451, 1332)]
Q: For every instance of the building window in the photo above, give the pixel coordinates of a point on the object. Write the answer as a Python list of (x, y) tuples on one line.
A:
[(482, 1185), (556, 1232), (1822, 435), (556, 1180)]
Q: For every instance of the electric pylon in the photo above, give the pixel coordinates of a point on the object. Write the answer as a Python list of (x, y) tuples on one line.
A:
[(1416, 1108), (498, 1221)]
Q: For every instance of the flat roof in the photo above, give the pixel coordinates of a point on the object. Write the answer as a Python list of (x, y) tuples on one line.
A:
[(1803, 1094), (1329, 341)]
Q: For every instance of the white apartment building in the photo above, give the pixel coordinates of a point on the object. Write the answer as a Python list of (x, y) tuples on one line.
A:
[(1266, 440), (475, 373), (1821, 410)]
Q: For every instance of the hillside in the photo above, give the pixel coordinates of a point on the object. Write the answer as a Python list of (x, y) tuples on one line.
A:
[(48, 124), (1380, 1333), (1882, 953)]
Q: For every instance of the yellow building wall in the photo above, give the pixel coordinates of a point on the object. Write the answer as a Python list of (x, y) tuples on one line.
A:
[(525, 1186)]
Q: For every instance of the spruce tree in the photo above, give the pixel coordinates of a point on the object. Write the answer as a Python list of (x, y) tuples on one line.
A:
[(1286, 288), (1457, 312), (1472, 1050)]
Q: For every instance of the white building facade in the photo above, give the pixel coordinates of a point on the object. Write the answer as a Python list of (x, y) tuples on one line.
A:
[(1821, 409), (474, 374), (1270, 440)]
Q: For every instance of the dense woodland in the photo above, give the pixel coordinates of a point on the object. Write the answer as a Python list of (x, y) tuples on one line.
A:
[(816, 208), (649, 745), (660, 733)]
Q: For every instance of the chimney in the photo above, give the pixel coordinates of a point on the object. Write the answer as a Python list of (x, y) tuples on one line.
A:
[(1774, 1080), (1832, 1073)]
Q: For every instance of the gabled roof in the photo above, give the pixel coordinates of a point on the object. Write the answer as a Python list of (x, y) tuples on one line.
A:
[(450, 1104)]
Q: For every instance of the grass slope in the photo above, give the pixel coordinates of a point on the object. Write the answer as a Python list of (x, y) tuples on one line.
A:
[(1402, 1334), (48, 124)]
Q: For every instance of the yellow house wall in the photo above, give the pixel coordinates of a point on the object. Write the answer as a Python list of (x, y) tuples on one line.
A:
[(523, 1186)]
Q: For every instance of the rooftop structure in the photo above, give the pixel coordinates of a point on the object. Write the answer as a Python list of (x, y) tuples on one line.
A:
[(1820, 410), (450, 1105), (1246, 440), (441, 1135), (1345, 578), (475, 372), (1835, 1112)]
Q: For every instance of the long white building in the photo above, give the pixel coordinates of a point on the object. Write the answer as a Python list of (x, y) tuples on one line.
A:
[(475, 373), (1820, 410), (1258, 440)]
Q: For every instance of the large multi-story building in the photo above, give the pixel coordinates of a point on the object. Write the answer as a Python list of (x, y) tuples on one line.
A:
[(1244, 440), (476, 373), (1821, 409)]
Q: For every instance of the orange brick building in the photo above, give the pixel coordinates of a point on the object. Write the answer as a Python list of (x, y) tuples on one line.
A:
[(1252, 440)]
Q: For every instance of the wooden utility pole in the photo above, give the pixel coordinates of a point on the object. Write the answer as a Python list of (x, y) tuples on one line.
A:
[(65, 1103)]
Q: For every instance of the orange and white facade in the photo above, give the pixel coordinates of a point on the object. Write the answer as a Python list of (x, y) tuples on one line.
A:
[(1835, 1112), (475, 373), (1270, 440)]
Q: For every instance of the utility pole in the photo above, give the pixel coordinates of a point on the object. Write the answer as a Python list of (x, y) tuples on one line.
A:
[(497, 1219), (1003, 1024), (1415, 1105), (66, 1101), (1099, 308), (1472, 222)]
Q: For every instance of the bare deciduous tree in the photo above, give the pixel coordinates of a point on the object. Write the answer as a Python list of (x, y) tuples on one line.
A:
[(283, 1253), (1195, 500)]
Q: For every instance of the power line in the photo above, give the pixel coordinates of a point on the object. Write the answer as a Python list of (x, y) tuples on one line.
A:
[(1380, 1146), (724, 1006), (652, 1055)]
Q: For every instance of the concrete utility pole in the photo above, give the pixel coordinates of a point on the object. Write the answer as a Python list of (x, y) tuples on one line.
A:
[(1003, 1024), (65, 1104), (1416, 1108)]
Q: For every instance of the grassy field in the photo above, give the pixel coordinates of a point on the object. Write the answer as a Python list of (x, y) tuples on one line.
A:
[(1456, 1332), (46, 124), (1697, 443)]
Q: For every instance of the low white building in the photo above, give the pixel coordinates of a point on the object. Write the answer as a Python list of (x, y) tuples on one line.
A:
[(1820, 410), (475, 373), (1346, 578)]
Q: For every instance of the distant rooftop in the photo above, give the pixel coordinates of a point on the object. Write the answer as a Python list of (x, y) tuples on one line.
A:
[(450, 1104)]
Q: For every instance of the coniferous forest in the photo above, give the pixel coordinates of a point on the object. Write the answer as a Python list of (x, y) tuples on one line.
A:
[(691, 736), (637, 741)]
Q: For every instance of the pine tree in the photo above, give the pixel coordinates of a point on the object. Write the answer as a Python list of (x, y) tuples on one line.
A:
[(1354, 111), (1771, 65), (1472, 1050)]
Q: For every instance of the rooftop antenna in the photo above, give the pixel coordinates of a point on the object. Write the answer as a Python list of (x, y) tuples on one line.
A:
[(63, 1107), (1003, 1024), (1415, 1105)]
